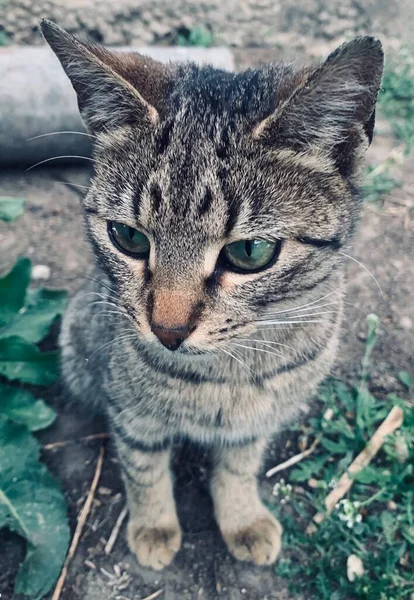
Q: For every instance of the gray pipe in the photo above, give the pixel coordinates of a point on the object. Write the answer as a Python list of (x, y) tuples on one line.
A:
[(36, 98)]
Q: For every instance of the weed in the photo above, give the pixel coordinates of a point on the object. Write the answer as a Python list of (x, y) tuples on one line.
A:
[(4, 40), (198, 36), (371, 529), (396, 104), (396, 101), (378, 183), (31, 503)]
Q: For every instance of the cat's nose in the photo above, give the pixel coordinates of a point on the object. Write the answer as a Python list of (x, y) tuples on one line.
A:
[(171, 338)]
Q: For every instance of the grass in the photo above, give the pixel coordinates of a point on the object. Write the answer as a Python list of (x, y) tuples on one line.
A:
[(396, 104), (373, 526)]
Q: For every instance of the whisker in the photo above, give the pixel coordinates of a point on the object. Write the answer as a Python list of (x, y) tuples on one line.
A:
[(110, 287), (366, 269), (279, 312), (42, 135), (42, 162), (78, 185), (120, 338), (267, 352), (267, 342), (288, 322), (311, 314), (235, 358)]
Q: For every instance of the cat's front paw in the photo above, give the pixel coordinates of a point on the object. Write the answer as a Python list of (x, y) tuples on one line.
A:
[(260, 542), (155, 547)]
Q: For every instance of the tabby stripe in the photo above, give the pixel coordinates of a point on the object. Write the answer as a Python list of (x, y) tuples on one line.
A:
[(258, 379), (238, 443), (139, 445), (138, 483), (334, 242), (127, 459), (174, 373)]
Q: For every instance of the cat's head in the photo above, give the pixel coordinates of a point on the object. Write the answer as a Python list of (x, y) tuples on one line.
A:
[(218, 195)]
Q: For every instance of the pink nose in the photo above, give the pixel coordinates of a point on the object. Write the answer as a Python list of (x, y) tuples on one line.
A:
[(171, 338)]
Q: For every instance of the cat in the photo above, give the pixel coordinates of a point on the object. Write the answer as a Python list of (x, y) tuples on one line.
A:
[(220, 210)]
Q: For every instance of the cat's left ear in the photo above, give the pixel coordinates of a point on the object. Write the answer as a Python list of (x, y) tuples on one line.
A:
[(113, 88), (330, 108)]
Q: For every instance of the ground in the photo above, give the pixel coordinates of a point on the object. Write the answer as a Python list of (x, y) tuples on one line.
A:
[(50, 233)]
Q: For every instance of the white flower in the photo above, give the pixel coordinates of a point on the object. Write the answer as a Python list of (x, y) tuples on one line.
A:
[(348, 512), (283, 490)]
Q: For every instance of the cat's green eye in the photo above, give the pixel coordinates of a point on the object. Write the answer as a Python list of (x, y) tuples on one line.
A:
[(250, 255), (129, 240)]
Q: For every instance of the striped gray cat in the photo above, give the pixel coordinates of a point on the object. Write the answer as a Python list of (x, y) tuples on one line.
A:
[(219, 213)]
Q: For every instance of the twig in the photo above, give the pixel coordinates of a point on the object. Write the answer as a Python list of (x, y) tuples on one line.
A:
[(392, 422), (293, 459), (115, 532), (83, 515), (298, 457), (88, 438), (154, 595)]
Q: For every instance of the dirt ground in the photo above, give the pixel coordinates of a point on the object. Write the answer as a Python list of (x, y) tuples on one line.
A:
[(51, 233)]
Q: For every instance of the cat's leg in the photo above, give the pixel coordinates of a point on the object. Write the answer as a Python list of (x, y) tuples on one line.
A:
[(250, 531), (154, 533)]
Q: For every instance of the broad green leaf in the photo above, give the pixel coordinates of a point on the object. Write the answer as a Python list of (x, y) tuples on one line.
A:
[(22, 361), (35, 319), (23, 408), (406, 379), (32, 504), (13, 288), (11, 208), (367, 475)]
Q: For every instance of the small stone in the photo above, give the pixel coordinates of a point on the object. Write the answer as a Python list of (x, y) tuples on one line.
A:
[(40, 272), (354, 567), (406, 323)]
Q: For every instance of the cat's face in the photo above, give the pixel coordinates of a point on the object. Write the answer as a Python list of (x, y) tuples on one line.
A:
[(218, 197)]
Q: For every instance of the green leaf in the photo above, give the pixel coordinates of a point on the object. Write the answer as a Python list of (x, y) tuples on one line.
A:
[(11, 208), (34, 320), (345, 395), (365, 406), (406, 379), (367, 475), (389, 526), (23, 408), (32, 505), (13, 288), (339, 447), (20, 360)]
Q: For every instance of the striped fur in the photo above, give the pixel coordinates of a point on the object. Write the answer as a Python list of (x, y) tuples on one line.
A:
[(199, 158)]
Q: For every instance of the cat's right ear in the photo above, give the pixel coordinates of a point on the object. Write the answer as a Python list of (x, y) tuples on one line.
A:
[(113, 88)]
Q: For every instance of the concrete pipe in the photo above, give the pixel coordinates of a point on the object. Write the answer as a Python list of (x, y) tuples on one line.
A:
[(36, 98)]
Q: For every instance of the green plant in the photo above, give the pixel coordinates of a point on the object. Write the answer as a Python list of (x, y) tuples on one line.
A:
[(31, 503), (396, 104), (198, 36), (11, 208), (373, 527), (396, 101), (378, 183), (4, 40)]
